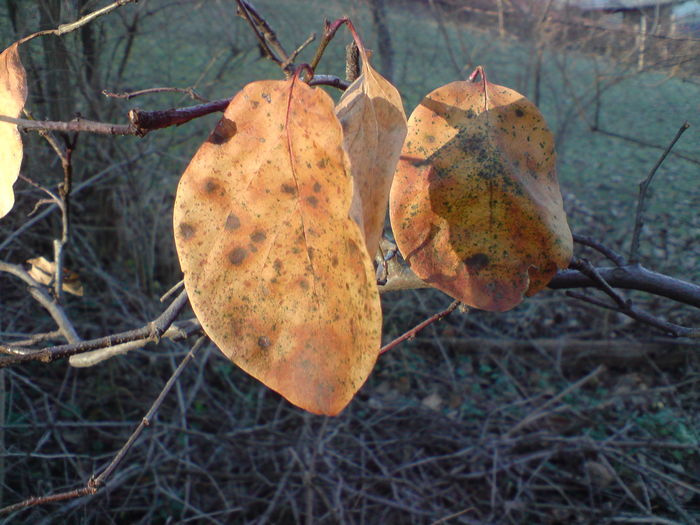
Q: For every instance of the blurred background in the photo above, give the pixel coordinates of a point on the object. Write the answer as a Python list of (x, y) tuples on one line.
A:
[(558, 412)]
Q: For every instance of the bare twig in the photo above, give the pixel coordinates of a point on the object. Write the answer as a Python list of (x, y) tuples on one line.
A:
[(39, 293), (64, 191), (141, 122), (329, 80), (542, 409), (634, 140), (72, 26), (329, 31), (643, 188), (131, 94), (413, 331), (632, 277), (95, 483), (267, 38), (152, 332), (300, 48), (611, 254)]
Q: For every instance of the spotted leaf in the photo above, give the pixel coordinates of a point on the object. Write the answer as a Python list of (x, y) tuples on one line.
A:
[(276, 270), (475, 204)]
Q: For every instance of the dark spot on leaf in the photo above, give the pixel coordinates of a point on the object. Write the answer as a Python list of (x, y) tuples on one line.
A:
[(258, 236), (254, 104), (304, 284), (187, 231), (519, 112), (277, 265), (267, 97), (334, 261), (232, 222), (223, 131), (210, 186), (313, 201), (264, 341), (477, 262), (288, 188), (317, 187), (322, 163), (237, 255)]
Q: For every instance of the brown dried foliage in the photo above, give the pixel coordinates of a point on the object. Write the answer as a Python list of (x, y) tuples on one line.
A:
[(374, 128)]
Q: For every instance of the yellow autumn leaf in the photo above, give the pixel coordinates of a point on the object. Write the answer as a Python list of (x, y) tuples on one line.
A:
[(13, 95), (275, 268)]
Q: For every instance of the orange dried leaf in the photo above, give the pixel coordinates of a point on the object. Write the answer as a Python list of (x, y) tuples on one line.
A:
[(43, 271), (275, 268), (475, 204), (374, 128), (13, 95)]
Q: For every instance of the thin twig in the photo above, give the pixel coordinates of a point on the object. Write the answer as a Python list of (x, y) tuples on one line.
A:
[(643, 188), (586, 268), (149, 91), (64, 191), (541, 410), (413, 331), (611, 254), (643, 317), (95, 483), (329, 31), (72, 26), (152, 331), (267, 38), (299, 49), (633, 140), (39, 293)]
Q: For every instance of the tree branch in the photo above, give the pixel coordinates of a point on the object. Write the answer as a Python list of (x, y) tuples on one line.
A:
[(151, 332), (632, 277), (72, 26), (643, 188), (39, 293), (95, 483)]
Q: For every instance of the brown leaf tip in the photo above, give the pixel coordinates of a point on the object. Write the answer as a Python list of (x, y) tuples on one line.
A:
[(237, 256)]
